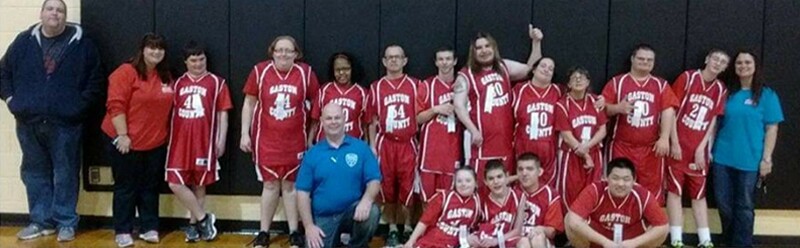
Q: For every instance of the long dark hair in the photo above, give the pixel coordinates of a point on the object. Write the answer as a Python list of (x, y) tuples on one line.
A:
[(156, 41), (472, 62), (356, 72), (757, 84)]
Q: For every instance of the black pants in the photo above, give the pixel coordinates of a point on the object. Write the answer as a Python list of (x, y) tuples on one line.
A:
[(137, 175)]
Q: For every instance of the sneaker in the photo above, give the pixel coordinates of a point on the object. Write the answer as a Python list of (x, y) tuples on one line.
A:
[(150, 236), (192, 234), (206, 227), (344, 240), (123, 240), (296, 239), (66, 234), (677, 244), (707, 244), (405, 236), (33, 231), (392, 240), (261, 240)]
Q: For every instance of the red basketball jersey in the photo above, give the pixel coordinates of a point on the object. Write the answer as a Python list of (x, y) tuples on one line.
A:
[(635, 212), (440, 136), (193, 131), (278, 129), (534, 112), (490, 110), (353, 101), (393, 102), (542, 208), (446, 213), (649, 98), (499, 216), (579, 117), (701, 102)]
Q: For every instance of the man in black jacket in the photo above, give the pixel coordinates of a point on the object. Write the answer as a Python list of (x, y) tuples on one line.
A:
[(49, 77)]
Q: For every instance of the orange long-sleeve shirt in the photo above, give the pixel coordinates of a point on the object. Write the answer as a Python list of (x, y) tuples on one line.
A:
[(145, 103)]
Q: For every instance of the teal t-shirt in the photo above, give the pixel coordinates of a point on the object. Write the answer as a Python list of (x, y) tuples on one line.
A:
[(740, 140)]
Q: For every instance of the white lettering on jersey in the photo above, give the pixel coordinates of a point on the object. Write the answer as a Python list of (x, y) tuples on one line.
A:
[(282, 108), (533, 212), (608, 220), (396, 117), (495, 95), (348, 105), (695, 120), (641, 115), (539, 117), (192, 107), (450, 226)]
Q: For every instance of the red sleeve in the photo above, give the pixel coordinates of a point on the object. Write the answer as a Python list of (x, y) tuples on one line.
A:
[(669, 100), (653, 213), (251, 86), (120, 88), (423, 103), (610, 92), (562, 118), (679, 86), (555, 216), (224, 99), (371, 104), (586, 201), (432, 212)]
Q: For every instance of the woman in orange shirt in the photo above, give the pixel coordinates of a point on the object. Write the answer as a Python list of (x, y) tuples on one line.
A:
[(137, 116)]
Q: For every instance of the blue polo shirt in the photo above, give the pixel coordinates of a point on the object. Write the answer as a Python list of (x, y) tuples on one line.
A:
[(337, 177), (740, 140)]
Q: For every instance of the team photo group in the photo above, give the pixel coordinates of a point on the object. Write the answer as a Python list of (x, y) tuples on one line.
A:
[(494, 153)]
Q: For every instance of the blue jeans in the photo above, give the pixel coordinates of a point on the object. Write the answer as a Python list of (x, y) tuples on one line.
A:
[(137, 176), (361, 232), (50, 171), (734, 190)]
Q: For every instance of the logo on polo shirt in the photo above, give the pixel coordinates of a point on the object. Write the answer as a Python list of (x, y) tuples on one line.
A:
[(351, 159)]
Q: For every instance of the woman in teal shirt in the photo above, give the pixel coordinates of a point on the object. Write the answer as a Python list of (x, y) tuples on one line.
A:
[(743, 150)]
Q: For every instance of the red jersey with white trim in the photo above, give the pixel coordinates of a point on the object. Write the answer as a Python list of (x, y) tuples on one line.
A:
[(440, 136), (278, 128), (353, 100), (394, 103), (193, 131), (542, 208), (701, 102), (446, 213), (648, 97), (499, 217), (579, 117), (635, 212), (534, 112), (490, 110)]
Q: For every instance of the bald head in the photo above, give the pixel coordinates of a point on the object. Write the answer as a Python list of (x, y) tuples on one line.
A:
[(332, 120)]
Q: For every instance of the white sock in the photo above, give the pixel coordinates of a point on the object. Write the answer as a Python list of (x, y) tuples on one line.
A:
[(676, 233), (392, 227), (408, 228), (704, 234)]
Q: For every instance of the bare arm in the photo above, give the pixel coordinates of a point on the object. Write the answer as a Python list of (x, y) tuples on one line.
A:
[(122, 141), (769, 145), (667, 123), (582, 228), (570, 139), (373, 187), (247, 118), (418, 231), (222, 132), (460, 101), (519, 71), (649, 237), (373, 133), (516, 70), (304, 207), (312, 132), (598, 136)]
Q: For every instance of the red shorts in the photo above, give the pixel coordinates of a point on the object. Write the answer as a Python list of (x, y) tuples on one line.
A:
[(268, 173), (435, 240), (574, 177), (192, 177), (649, 167), (398, 160), (679, 175), (546, 151), (433, 182)]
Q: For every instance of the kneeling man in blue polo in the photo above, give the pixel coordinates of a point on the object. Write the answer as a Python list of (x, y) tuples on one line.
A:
[(337, 183)]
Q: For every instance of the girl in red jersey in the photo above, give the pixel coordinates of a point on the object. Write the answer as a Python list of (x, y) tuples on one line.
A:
[(582, 127), (448, 213)]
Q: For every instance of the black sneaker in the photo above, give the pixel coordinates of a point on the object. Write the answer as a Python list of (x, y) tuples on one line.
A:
[(192, 235), (206, 227), (405, 236), (296, 239), (392, 239), (261, 240)]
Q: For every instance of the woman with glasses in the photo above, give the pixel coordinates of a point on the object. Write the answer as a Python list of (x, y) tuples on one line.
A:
[(274, 118)]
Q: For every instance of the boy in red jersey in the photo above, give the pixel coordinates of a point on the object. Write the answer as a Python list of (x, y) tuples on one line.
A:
[(702, 97), (616, 213)]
